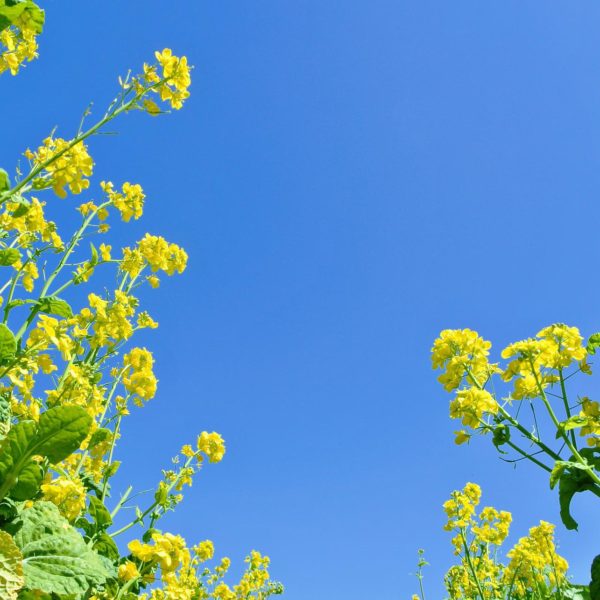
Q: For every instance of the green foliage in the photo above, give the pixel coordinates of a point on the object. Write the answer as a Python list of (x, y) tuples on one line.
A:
[(58, 434), (56, 558), (51, 305), (8, 343), (11, 10), (11, 567), (9, 256)]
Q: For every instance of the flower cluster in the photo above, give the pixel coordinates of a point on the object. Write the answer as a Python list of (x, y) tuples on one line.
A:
[(62, 164), (69, 375), (20, 45), (533, 563)]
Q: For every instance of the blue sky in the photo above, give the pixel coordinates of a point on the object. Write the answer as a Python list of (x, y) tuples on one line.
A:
[(348, 178)]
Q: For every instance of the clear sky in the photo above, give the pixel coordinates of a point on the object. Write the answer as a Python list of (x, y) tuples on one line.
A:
[(348, 179)]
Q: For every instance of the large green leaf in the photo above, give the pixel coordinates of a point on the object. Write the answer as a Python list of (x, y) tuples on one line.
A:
[(14, 454), (58, 434), (11, 568), (56, 558), (29, 481), (8, 344), (11, 10), (61, 431)]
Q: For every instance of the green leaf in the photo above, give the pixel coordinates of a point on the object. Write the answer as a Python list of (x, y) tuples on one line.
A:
[(8, 343), (595, 582), (11, 568), (501, 436), (9, 256), (52, 305), (574, 422), (11, 10), (14, 454), (593, 343), (572, 481), (105, 546), (99, 513), (28, 483), (100, 435), (61, 431), (56, 559), (576, 592), (4, 181), (22, 208), (94, 259), (58, 434)]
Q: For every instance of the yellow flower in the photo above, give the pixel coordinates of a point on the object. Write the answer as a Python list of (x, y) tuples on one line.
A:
[(471, 404), (67, 494), (462, 353), (105, 252), (176, 76), (20, 46), (212, 445), (139, 378), (204, 550), (128, 571), (129, 202), (64, 166)]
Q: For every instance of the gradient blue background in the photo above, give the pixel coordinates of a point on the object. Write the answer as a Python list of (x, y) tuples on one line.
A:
[(348, 178)]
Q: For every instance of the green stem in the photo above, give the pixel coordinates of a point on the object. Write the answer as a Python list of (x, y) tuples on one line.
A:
[(556, 422), (563, 389), (470, 563)]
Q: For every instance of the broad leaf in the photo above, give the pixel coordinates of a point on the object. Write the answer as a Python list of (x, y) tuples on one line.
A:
[(14, 454), (99, 513), (61, 431), (11, 568), (9, 256), (56, 559), (29, 481), (57, 435), (8, 344), (52, 305)]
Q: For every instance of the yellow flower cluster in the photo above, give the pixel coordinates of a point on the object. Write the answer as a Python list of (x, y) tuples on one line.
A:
[(139, 378), (590, 414), (554, 348), (212, 445), (110, 320), (156, 252), (461, 352), (29, 224), (65, 166), (51, 332), (534, 564), (129, 202), (176, 79), (68, 494), (20, 46), (168, 551), (461, 506), (471, 404)]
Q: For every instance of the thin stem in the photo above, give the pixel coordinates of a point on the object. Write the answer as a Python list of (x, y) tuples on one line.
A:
[(563, 390)]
